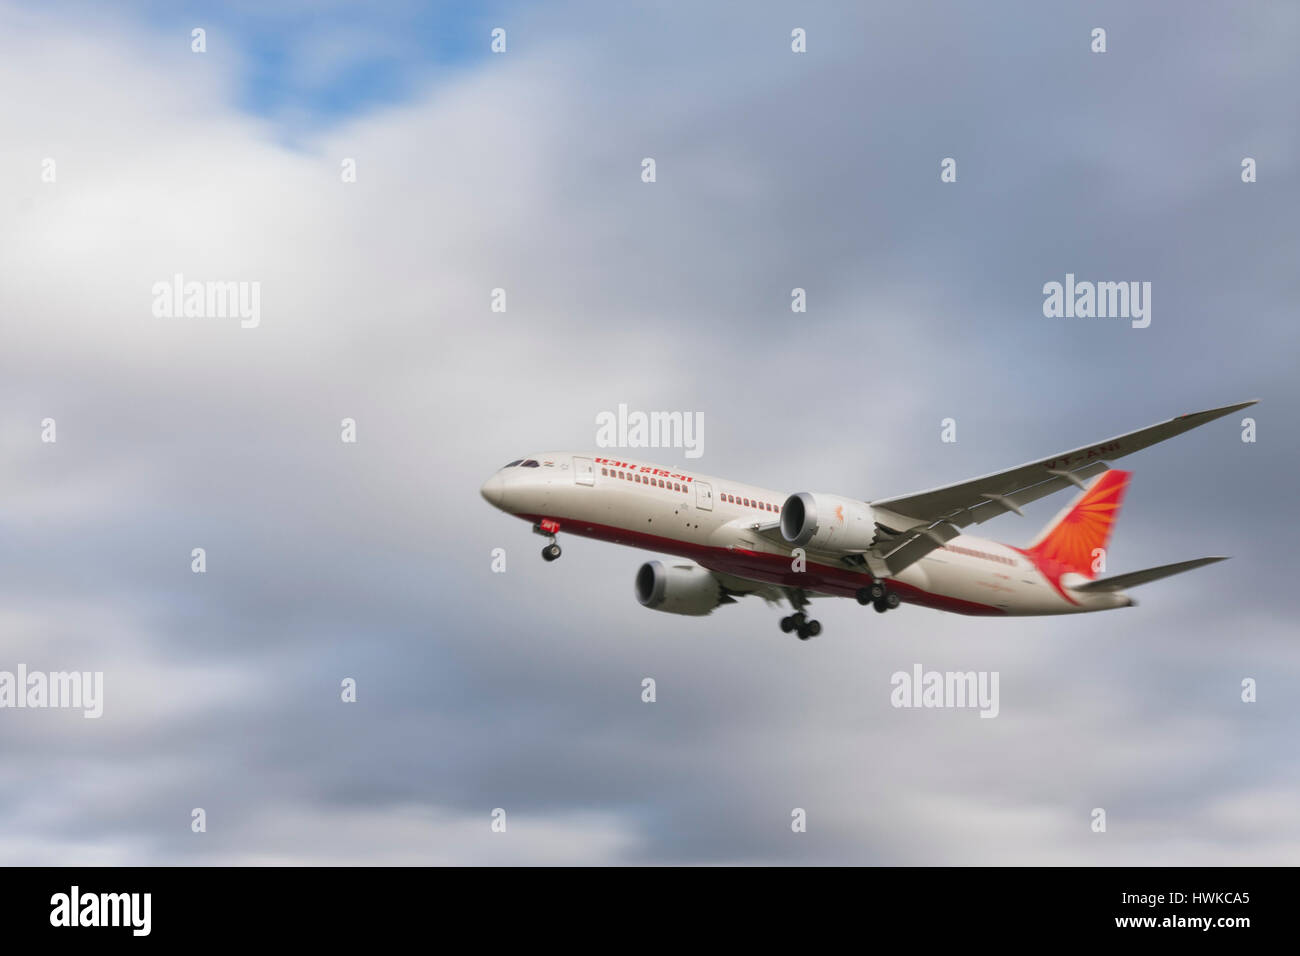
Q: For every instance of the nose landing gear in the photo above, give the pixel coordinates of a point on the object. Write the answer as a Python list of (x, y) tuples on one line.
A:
[(548, 528)]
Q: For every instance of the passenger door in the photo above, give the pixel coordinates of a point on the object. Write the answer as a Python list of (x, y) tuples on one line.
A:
[(584, 473), (703, 496)]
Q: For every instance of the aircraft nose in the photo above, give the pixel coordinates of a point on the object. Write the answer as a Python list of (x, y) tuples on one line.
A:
[(494, 491)]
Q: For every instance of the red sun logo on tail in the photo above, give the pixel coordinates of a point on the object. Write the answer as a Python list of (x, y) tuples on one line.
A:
[(1080, 535)]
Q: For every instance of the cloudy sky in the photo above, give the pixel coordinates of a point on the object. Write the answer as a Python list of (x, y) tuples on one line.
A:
[(521, 170)]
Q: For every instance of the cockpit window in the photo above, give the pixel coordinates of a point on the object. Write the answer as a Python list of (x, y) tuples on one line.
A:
[(530, 463), (513, 463)]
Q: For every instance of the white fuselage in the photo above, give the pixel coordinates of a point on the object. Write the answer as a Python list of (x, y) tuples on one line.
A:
[(713, 522)]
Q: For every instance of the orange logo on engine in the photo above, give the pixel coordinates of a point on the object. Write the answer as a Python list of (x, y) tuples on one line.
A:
[(839, 513)]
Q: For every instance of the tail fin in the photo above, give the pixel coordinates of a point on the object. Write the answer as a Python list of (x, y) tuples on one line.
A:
[(1070, 542)]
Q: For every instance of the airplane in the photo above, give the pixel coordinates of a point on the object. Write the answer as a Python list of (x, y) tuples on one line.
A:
[(739, 539)]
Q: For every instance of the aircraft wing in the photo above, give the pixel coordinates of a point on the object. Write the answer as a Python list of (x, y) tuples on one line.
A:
[(977, 500), (911, 526)]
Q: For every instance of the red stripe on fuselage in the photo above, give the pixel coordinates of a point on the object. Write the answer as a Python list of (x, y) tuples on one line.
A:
[(762, 566)]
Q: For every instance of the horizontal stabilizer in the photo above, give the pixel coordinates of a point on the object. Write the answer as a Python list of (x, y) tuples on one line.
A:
[(1121, 581)]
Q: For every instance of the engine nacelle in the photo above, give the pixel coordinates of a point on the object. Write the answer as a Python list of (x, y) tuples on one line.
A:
[(678, 588), (827, 522)]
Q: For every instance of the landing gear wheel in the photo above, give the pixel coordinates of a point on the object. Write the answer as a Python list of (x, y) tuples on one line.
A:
[(550, 552), (880, 606), (892, 600), (809, 630), (872, 592), (787, 624)]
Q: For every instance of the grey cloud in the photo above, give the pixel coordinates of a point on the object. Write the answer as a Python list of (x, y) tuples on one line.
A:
[(522, 690)]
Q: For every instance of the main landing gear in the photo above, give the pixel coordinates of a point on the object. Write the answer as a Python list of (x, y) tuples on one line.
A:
[(879, 597), (547, 528), (798, 621)]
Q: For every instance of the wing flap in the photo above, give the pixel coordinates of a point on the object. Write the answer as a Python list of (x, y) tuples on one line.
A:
[(918, 543)]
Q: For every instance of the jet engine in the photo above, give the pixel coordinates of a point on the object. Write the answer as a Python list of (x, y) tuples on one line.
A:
[(678, 588), (827, 522)]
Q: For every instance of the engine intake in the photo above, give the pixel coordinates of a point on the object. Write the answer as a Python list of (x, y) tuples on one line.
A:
[(678, 588), (827, 522)]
